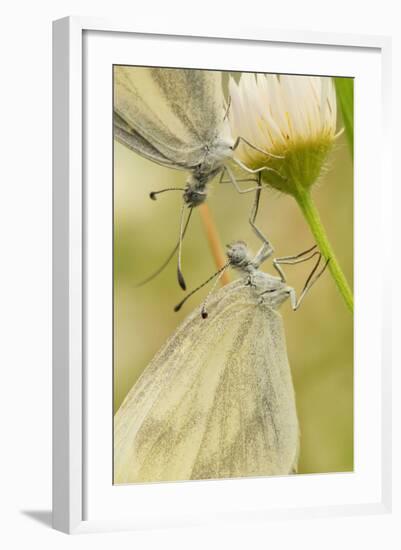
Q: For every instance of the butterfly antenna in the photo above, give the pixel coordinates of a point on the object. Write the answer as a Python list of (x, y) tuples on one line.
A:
[(153, 194), (166, 261), (204, 312), (180, 276), (219, 272)]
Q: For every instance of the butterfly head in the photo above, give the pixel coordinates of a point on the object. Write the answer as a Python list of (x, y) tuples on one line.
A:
[(238, 255), (195, 192), (193, 196)]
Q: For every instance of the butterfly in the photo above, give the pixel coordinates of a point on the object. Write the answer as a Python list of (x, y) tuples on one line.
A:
[(217, 400), (178, 118)]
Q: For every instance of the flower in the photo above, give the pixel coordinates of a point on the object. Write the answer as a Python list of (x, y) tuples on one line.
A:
[(293, 117)]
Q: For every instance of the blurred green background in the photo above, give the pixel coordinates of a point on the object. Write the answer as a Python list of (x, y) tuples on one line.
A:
[(319, 335)]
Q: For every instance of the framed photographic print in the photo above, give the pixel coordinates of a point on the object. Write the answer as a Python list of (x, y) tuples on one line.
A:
[(219, 330)]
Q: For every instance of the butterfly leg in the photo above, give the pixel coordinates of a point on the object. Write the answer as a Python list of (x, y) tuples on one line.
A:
[(256, 170), (310, 281), (252, 146), (252, 218), (291, 260), (232, 179), (265, 251), (241, 180), (255, 206)]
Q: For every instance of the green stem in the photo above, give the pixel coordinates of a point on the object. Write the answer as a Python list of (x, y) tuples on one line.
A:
[(311, 214)]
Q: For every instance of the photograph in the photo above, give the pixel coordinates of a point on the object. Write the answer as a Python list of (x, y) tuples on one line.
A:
[(233, 257)]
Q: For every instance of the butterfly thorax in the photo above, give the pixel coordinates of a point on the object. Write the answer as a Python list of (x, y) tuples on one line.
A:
[(196, 187), (268, 289), (213, 160)]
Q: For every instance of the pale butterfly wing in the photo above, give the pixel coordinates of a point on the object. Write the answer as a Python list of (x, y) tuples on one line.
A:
[(196, 98), (134, 141), (175, 112), (216, 401)]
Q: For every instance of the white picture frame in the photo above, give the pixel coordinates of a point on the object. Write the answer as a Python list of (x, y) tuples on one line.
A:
[(72, 258)]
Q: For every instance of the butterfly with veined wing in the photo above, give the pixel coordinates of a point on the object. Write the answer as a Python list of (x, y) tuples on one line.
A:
[(217, 400), (177, 118)]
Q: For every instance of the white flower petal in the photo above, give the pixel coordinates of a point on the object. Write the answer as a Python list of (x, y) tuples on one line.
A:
[(274, 112)]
